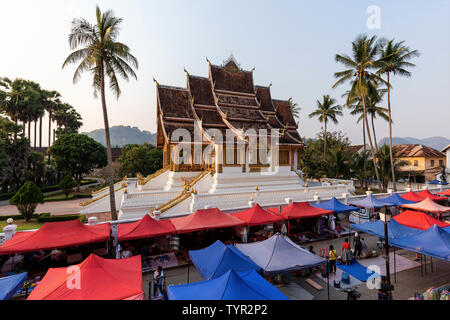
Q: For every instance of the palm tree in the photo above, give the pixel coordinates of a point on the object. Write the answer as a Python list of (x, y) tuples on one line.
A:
[(68, 120), (373, 110), (295, 109), (384, 164), (326, 110), (394, 59), (51, 104), (102, 55), (364, 52)]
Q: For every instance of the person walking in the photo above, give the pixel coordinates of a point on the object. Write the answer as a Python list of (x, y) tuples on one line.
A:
[(346, 252), (358, 246), (332, 255), (384, 290)]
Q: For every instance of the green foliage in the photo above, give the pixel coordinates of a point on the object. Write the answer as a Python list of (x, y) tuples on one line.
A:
[(334, 165), (16, 217), (27, 198), (144, 159), (384, 165), (67, 119), (47, 217), (67, 184), (36, 168), (77, 155)]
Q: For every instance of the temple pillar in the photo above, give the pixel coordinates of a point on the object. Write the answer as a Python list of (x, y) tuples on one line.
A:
[(295, 159), (247, 158)]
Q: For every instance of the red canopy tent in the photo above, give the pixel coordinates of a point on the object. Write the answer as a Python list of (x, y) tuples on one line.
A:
[(418, 220), (411, 196), (298, 210), (427, 205), (56, 235), (204, 220), (257, 216), (427, 194), (445, 193), (147, 227), (99, 279)]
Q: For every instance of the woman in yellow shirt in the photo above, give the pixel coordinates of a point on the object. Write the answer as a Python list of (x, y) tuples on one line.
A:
[(332, 259)]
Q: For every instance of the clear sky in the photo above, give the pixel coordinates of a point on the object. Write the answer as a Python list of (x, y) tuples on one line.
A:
[(291, 43)]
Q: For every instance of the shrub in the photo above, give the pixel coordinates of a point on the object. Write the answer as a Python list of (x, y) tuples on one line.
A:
[(27, 199), (47, 217), (16, 217), (67, 184)]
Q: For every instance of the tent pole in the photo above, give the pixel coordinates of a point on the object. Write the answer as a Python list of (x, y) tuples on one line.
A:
[(431, 263), (421, 268), (395, 267), (188, 272), (425, 265), (328, 280)]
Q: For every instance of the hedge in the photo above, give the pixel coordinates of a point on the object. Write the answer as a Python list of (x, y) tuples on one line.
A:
[(16, 217), (7, 196), (47, 217)]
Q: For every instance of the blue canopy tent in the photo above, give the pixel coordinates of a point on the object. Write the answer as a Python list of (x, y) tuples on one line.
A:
[(10, 285), (279, 254), (447, 229), (370, 202), (434, 242), (217, 259), (395, 230), (396, 200), (334, 205), (436, 181), (246, 285)]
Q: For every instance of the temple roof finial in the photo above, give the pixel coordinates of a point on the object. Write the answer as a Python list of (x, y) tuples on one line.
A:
[(270, 85), (207, 60), (186, 71), (154, 80)]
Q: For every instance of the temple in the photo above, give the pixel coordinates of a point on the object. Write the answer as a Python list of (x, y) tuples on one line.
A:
[(226, 142)]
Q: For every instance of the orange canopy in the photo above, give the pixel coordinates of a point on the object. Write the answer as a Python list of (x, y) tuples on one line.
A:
[(257, 216), (147, 227), (427, 194), (445, 193), (56, 235), (411, 196), (298, 210), (94, 279), (418, 220), (427, 205), (204, 220)]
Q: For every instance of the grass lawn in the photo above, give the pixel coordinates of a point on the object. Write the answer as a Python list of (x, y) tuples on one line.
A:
[(59, 196), (23, 225)]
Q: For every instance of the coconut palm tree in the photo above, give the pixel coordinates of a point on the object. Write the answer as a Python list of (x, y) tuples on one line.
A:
[(100, 53), (327, 109), (364, 59), (373, 110), (295, 109), (50, 103), (394, 60)]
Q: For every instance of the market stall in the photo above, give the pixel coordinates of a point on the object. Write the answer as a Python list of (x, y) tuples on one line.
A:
[(260, 223), (279, 254), (305, 222), (11, 284), (246, 285), (418, 220), (428, 205), (412, 197), (427, 194), (217, 259), (93, 279)]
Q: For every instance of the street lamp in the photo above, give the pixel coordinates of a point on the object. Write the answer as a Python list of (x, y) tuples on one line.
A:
[(385, 216)]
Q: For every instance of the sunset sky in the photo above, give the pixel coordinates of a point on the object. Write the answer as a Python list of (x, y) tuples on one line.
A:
[(290, 43)]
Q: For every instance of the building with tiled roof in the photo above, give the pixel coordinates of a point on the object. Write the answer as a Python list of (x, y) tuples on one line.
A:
[(422, 161)]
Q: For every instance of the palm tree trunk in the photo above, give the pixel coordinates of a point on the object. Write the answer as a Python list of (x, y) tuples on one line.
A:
[(40, 132), (325, 139), (390, 134), (29, 131), (24, 128), (35, 134), (365, 159), (15, 132), (374, 135), (112, 198), (370, 143), (49, 133)]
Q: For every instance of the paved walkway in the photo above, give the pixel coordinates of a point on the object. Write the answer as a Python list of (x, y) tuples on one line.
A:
[(55, 208)]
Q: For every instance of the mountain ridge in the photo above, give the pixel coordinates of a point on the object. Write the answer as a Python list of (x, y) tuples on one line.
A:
[(437, 142), (123, 135)]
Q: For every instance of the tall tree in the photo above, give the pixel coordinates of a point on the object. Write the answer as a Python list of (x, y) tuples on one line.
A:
[(51, 104), (394, 60), (295, 109), (327, 109), (364, 59), (102, 55)]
